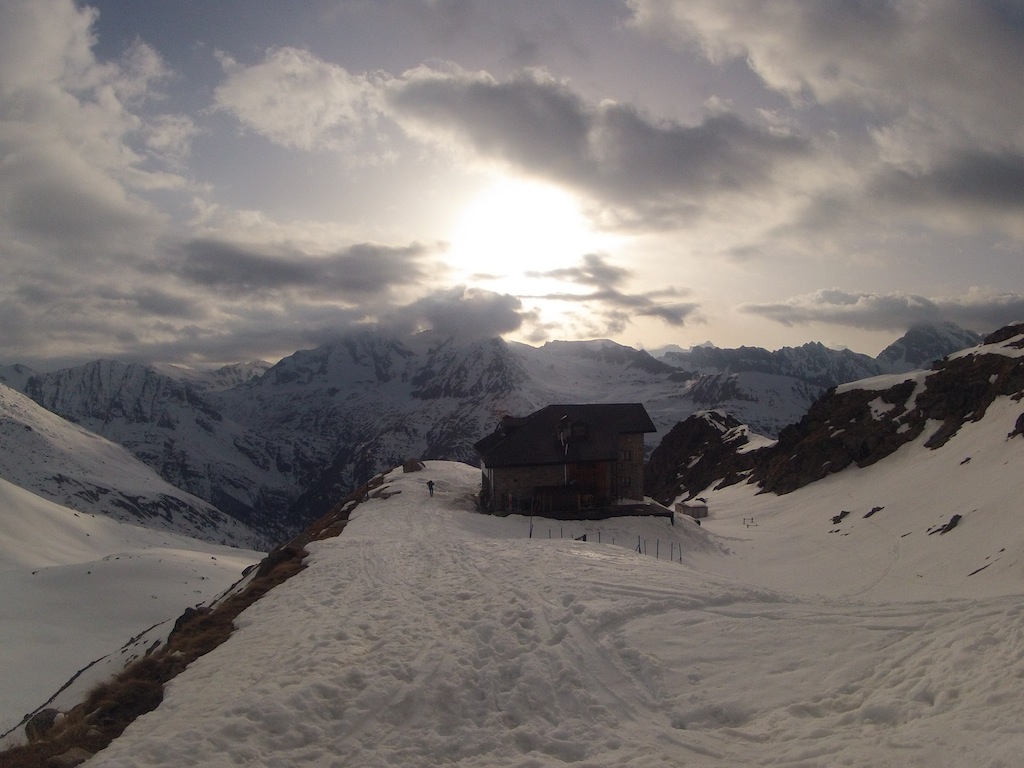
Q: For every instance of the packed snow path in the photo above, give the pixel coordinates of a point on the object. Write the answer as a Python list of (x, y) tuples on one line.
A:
[(429, 635)]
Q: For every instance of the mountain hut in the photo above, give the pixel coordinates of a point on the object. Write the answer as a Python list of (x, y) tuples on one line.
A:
[(565, 458)]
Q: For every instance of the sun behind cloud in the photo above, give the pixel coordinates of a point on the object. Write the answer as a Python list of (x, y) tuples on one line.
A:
[(517, 226)]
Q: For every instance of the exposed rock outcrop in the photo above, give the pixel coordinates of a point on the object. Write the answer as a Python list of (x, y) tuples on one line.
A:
[(855, 424), (41, 724), (702, 450), (862, 425)]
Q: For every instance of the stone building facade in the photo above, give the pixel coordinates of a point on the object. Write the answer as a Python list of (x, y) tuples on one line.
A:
[(565, 458)]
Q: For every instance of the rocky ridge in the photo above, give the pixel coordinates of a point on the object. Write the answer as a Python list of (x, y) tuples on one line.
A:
[(858, 424)]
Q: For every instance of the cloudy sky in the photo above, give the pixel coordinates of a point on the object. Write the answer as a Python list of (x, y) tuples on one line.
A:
[(202, 182)]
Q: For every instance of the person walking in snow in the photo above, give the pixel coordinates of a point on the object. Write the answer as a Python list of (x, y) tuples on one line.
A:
[(430, 487)]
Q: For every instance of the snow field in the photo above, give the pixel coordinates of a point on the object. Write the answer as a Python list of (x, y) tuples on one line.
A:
[(892, 554), (429, 635), (77, 586)]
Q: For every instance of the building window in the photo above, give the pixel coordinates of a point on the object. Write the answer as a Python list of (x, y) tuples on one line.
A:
[(625, 454)]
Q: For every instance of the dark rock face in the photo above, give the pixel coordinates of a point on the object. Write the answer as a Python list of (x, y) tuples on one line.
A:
[(838, 430), (1004, 334), (962, 389), (862, 426), (41, 724), (1018, 427), (698, 452)]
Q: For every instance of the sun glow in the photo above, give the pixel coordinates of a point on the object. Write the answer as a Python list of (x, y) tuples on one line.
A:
[(515, 227)]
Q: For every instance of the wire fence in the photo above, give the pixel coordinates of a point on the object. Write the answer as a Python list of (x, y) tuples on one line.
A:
[(673, 551)]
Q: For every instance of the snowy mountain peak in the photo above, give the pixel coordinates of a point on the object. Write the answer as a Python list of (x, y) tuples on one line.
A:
[(606, 351), (923, 344)]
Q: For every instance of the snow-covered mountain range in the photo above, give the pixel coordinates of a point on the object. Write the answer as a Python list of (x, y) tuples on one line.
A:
[(817, 364), (273, 446)]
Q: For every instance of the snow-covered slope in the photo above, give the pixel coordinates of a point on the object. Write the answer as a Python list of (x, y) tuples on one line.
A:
[(173, 427), (76, 586), (67, 464), (889, 543), (428, 634)]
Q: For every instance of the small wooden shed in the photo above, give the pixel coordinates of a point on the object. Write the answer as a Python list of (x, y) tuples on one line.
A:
[(695, 508)]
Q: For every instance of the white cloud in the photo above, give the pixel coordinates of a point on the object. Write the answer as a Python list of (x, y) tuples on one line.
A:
[(71, 132), (978, 310), (945, 70), (169, 138), (462, 312), (80, 153), (640, 169), (297, 100), (879, 139), (45, 43)]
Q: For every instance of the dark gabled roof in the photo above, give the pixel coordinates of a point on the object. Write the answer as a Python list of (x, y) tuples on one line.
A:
[(591, 433)]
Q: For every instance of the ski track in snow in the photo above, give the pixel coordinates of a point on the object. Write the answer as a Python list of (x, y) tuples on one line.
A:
[(428, 635)]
